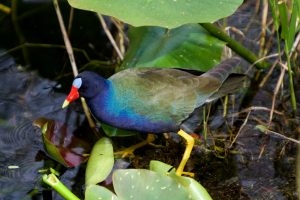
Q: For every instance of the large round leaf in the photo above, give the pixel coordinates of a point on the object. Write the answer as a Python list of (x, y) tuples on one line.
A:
[(195, 189), (188, 46), (160, 167), (137, 184), (164, 13), (94, 192)]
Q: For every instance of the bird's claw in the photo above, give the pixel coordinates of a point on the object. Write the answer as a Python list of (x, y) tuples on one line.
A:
[(128, 152)]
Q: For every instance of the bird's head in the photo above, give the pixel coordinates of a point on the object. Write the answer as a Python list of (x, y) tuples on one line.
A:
[(87, 84)]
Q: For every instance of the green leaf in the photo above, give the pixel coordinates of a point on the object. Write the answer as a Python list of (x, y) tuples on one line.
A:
[(292, 27), (189, 46), (195, 189), (115, 132), (51, 149), (169, 14), (274, 8), (282, 7), (161, 167), (137, 184), (298, 7), (100, 162), (261, 128), (61, 144), (94, 192)]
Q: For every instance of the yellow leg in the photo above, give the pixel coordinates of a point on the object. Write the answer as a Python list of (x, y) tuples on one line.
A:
[(188, 149), (129, 151)]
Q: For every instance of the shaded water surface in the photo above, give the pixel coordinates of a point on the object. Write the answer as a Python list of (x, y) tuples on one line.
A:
[(24, 97)]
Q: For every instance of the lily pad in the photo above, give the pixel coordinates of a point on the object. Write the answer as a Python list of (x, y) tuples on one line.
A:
[(164, 13), (94, 192), (189, 47), (161, 167), (136, 184), (195, 189)]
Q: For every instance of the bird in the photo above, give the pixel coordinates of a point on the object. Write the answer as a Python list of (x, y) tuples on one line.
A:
[(155, 100)]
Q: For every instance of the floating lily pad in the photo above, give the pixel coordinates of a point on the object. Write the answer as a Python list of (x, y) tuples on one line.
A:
[(161, 167), (94, 192), (195, 189), (165, 13), (144, 184)]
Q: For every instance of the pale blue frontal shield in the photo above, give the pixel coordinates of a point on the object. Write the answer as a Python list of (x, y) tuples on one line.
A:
[(77, 82)]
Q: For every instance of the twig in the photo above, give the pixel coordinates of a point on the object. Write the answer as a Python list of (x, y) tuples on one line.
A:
[(262, 83), (18, 30), (66, 38), (240, 130), (70, 20), (263, 28), (225, 105), (73, 63), (122, 37), (205, 119), (267, 131), (276, 90), (110, 37), (39, 45), (298, 165), (260, 60), (256, 108), (295, 44)]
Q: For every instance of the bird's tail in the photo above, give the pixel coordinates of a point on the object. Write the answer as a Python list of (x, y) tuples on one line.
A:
[(224, 69)]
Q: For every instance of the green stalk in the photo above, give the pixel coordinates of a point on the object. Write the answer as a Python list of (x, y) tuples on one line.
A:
[(204, 124), (234, 45), (5, 9), (53, 181), (291, 82)]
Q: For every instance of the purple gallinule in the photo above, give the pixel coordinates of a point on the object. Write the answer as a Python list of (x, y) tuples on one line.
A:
[(154, 100)]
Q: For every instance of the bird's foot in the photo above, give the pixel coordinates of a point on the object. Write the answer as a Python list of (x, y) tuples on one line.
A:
[(189, 146), (129, 152)]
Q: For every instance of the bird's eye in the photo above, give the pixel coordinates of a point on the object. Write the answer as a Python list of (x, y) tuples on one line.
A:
[(84, 87)]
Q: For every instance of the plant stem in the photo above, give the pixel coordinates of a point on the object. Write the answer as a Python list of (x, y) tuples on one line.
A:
[(110, 37), (73, 63), (291, 82), (234, 45), (5, 9), (18, 30), (53, 181)]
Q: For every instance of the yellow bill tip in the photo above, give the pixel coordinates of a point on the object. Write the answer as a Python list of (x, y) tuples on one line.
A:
[(65, 104)]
